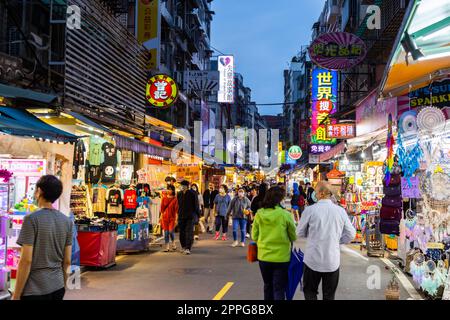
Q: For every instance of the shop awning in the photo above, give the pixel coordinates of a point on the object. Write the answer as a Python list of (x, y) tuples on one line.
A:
[(22, 123), (421, 53), (88, 121), (26, 94), (138, 146)]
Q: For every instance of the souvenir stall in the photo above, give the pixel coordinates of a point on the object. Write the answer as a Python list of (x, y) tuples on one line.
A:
[(424, 156), (363, 193)]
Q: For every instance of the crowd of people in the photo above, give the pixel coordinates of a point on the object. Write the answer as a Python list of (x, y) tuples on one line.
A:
[(253, 210)]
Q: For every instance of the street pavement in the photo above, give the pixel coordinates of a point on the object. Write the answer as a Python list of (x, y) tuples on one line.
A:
[(215, 270)]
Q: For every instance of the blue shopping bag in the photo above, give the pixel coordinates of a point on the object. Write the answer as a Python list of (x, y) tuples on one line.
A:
[(75, 245), (295, 272)]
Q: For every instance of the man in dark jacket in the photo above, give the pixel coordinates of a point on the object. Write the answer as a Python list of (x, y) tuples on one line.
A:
[(208, 202), (188, 213)]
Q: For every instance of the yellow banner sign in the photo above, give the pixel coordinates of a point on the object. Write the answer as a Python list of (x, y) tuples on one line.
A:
[(148, 29)]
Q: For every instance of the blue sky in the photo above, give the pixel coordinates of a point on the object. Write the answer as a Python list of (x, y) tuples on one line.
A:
[(263, 35)]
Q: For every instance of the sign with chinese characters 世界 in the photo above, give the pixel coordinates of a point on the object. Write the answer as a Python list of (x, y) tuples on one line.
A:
[(226, 79), (341, 131), (319, 148), (324, 91), (161, 91), (337, 50)]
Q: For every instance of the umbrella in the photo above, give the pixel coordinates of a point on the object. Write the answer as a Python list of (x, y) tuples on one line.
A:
[(295, 272)]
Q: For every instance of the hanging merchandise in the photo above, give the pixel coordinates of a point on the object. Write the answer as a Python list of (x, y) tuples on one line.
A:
[(429, 118), (114, 200), (407, 124), (409, 161), (109, 164), (390, 147), (130, 200)]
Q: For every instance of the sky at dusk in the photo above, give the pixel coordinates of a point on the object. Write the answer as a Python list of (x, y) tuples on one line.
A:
[(263, 36)]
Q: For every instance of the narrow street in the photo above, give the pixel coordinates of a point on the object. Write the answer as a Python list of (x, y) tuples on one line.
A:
[(202, 275)]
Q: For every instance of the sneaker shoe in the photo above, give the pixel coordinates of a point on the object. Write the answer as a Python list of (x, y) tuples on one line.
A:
[(235, 244), (167, 249), (242, 244), (224, 237), (187, 252), (247, 235), (196, 238), (174, 247), (217, 236)]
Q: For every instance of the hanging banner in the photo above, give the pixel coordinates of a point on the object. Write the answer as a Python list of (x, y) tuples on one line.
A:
[(337, 51), (226, 79), (148, 29), (372, 115), (324, 92)]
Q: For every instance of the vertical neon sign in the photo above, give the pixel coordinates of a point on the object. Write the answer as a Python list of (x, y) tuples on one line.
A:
[(324, 91)]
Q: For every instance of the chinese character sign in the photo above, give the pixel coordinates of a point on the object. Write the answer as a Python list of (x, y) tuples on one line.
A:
[(324, 102), (337, 51), (148, 29), (341, 131), (226, 80), (162, 91)]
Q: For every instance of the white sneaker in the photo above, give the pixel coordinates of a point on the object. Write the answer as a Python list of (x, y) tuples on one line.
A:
[(242, 244), (235, 244), (247, 235), (187, 252)]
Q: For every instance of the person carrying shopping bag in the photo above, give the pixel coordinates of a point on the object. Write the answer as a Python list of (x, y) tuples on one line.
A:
[(169, 212), (239, 209), (274, 231)]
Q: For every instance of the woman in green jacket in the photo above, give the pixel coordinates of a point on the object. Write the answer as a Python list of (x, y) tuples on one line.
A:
[(273, 232)]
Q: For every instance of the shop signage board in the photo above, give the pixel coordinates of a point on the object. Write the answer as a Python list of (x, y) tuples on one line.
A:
[(338, 149), (295, 153), (314, 159), (201, 80), (341, 131), (411, 191), (372, 115), (148, 29), (324, 92), (337, 50), (24, 167), (226, 79), (319, 148), (161, 91), (350, 167), (438, 95)]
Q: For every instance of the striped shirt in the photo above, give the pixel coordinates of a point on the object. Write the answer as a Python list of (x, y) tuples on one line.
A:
[(49, 232)]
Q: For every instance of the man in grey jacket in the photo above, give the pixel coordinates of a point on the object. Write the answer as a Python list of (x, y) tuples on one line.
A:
[(326, 226), (239, 209)]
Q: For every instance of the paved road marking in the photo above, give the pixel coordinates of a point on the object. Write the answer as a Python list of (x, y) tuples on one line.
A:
[(403, 280), (224, 291)]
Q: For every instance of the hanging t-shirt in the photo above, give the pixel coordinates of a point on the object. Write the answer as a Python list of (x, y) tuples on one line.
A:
[(78, 158), (155, 210), (109, 164), (142, 176), (115, 201), (93, 174), (144, 201), (108, 173), (142, 213), (130, 199), (95, 150), (143, 188), (99, 199)]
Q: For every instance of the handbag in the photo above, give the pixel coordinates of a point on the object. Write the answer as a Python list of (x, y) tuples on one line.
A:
[(390, 227), (390, 213), (393, 202), (396, 179), (252, 252), (393, 191)]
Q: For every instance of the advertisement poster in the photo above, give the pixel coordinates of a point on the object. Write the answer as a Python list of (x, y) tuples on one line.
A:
[(148, 29), (226, 79)]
